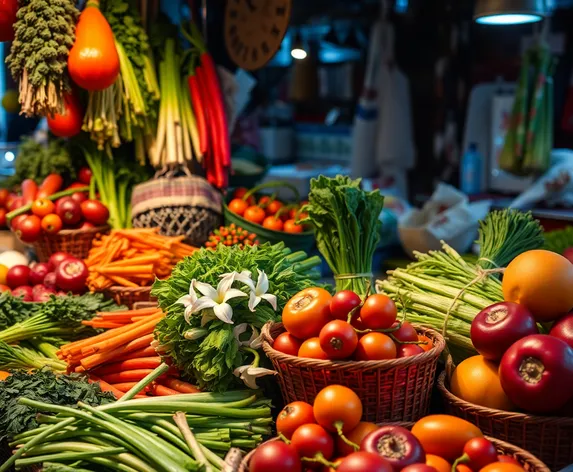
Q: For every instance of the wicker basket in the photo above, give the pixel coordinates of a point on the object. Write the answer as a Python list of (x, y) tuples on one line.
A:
[(129, 296), (391, 390), (76, 242), (529, 462), (549, 438), (178, 206)]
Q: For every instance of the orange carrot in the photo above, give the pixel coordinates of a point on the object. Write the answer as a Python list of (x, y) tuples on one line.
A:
[(126, 386), (130, 364), (179, 385), (162, 391), (106, 387), (127, 376), (148, 351), (96, 359)]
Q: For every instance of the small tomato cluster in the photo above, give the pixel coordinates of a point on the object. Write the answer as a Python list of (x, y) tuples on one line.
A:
[(345, 327), (231, 235)]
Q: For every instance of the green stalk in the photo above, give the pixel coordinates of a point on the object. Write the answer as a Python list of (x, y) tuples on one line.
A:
[(26, 208), (139, 386), (69, 456)]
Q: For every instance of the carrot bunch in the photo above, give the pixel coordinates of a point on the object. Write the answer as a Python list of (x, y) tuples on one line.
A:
[(133, 258), (123, 355)]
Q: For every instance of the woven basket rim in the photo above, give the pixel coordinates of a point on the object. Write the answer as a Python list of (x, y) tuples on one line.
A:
[(522, 454), (130, 290), (69, 232), (433, 353), (507, 415), (305, 234)]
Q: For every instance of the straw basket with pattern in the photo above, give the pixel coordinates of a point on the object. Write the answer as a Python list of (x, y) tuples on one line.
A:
[(528, 461), (391, 390), (547, 437), (76, 242), (129, 296), (178, 206)]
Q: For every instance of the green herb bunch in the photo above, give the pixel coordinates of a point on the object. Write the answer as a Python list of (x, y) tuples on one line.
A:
[(209, 353), (44, 35), (43, 385), (13, 310)]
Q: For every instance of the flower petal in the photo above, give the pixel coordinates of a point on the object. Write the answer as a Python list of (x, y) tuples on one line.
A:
[(245, 277), (238, 330), (256, 340), (262, 283), (272, 299), (188, 313), (208, 315), (253, 301), (206, 290), (225, 285), (224, 312), (202, 303), (233, 293), (185, 300), (239, 370), (250, 375)]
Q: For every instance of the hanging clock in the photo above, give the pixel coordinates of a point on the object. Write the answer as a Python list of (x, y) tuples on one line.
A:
[(254, 30)]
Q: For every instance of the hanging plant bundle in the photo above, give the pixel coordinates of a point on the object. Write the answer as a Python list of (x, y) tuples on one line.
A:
[(44, 35)]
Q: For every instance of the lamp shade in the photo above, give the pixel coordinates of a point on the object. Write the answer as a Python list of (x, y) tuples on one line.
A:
[(503, 12)]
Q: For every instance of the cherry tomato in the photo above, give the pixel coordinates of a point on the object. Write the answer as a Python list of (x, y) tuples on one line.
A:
[(355, 436), (238, 206), (426, 342), (293, 416), (273, 207), (4, 196), (378, 312), (275, 456), (85, 175), (264, 201), (508, 459), (240, 193), (95, 212), (408, 350), (52, 224), (307, 312), (69, 123), (364, 461), (343, 303), (502, 467), (338, 339), (3, 213), (336, 407), (311, 349), (438, 463), (255, 214), (480, 453), (273, 223), (29, 229), (15, 203), (419, 468), (17, 276), (287, 344), (15, 222), (68, 210), (79, 197), (406, 333), (42, 207), (311, 439), (375, 347), (291, 226)]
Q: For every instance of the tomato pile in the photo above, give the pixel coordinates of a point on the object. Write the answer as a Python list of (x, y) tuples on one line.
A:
[(62, 274), (344, 327), (231, 235), (268, 211), (519, 368), (39, 211), (329, 436)]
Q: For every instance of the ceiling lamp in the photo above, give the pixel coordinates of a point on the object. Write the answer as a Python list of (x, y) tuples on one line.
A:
[(509, 12), (298, 51)]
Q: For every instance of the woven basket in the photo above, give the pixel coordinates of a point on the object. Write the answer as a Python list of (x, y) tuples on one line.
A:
[(129, 296), (528, 461), (549, 438), (76, 242), (390, 390), (178, 206)]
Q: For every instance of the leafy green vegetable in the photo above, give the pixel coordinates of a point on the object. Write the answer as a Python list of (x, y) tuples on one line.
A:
[(42, 385), (13, 310), (559, 241), (22, 357), (209, 353), (44, 35), (347, 228)]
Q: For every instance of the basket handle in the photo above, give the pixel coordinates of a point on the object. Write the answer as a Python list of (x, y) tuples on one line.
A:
[(450, 367), (273, 184)]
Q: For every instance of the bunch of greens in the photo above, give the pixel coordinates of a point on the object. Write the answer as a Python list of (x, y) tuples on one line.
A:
[(347, 228), (59, 316), (44, 35), (208, 350), (429, 287), (14, 310), (42, 385), (560, 240), (26, 357), (36, 161)]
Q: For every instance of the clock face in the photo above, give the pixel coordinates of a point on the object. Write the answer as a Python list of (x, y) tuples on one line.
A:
[(254, 30)]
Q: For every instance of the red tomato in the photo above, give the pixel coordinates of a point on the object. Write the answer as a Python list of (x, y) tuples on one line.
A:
[(15, 203), (307, 312), (273, 223), (79, 197), (355, 436), (238, 206), (406, 333), (71, 275), (378, 312), (396, 444), (42, 207), (95, 212), (240, 193), (264, 201), (273, 207), (480, 452), (255, 214), (17, 276), (4, 288), (15, 222), (29, 229), (311, 349), (4, 196), (419, 468), (24, 292), (275, 456), (563, 329), (407, 350), (338, 339), (364, 461), (293, 416), (85, 175), (343, 303), (311, 439), (291, 226), (3, 213), (52, 224), (69, 123), (337, 407), (375, 347), (69, 211), (287, 344)]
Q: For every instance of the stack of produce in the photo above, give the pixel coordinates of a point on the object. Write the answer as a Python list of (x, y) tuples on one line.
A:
[(62, 274), (344, 327), (133, 258), (178, 434), (330, 434), (519, 368), (444, 291), (231, 235), (209, 336)]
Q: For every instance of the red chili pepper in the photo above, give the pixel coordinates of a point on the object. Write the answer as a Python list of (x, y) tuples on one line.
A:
[(29, 191), (199, 110)]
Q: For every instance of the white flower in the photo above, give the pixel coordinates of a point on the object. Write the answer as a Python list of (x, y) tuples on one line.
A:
[(217, 300), (259, 292), (243, 276), (188, 300), (256, 339), (249, 374)]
